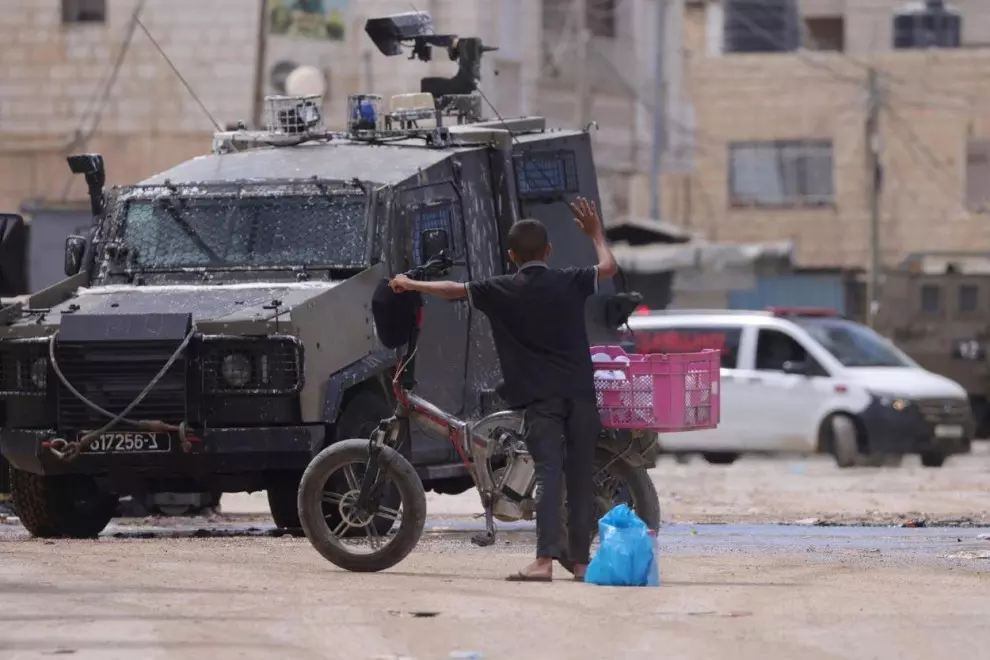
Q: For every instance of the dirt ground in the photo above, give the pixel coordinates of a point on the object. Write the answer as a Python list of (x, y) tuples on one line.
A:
[(747, 589)]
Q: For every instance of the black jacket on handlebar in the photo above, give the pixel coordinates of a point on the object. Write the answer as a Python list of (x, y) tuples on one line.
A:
[(395, 314)]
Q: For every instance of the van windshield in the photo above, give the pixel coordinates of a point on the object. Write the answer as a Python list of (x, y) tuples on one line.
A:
[(854, 345)]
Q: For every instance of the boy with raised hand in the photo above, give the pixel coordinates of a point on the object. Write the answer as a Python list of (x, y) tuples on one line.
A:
[(537, 315)]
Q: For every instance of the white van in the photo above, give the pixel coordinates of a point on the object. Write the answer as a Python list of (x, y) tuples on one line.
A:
[(803, 381)]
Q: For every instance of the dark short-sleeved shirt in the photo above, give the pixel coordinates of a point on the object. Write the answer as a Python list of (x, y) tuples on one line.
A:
[(538, 323)]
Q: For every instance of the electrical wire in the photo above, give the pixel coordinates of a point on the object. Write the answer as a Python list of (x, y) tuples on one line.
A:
[(99, 100), (188, 87)]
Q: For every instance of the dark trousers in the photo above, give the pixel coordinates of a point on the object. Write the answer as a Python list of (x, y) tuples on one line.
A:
[(561, 435)]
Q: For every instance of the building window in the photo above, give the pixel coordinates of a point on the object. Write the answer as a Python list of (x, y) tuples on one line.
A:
[(978, 175), (825, 33), (968, 298), (781, 174), (931, 299), (84, 11)]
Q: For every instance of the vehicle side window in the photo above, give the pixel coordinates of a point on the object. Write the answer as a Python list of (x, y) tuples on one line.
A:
[(687, 340), (774, 348), (433, 217)]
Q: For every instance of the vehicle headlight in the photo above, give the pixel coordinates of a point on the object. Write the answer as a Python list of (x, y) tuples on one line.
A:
[(39, 373), (236, 369), (895, 402)]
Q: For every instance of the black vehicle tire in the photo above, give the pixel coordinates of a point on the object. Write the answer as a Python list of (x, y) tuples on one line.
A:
[(720, 457), (312, 512), (70, 506), (636, 483), (843, 440), (283, 494), (933, 460)]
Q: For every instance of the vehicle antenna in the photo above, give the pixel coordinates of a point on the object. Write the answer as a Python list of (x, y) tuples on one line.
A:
[(192, 93)]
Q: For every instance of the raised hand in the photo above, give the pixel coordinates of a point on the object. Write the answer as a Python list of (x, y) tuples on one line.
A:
[(586, 216)]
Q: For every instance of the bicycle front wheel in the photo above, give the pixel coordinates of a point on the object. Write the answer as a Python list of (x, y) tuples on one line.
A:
[(346, 536)]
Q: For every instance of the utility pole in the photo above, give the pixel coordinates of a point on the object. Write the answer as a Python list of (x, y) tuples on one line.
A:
[(583, 34), (259, 70), (874, 177), (659, 109)]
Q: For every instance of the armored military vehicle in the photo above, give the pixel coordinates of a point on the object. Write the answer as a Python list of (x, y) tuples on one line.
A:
[(214, 332), (935, 307)]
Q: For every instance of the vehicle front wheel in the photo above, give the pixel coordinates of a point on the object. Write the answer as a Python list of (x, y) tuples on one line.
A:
[(932, 460), (283, 492), (69, 506), (842, 437)]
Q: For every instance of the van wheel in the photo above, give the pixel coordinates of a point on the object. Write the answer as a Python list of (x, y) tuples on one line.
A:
[(720, 457), (842, 437), (932, 460)]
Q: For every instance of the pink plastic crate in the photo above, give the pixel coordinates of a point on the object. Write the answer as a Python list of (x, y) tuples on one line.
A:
[(660, 391)]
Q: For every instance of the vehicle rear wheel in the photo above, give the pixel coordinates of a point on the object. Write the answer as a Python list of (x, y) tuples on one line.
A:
[(933, 460), (69, 506), (720, 457)]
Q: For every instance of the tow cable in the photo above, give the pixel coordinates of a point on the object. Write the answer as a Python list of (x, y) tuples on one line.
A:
[(67, 451)]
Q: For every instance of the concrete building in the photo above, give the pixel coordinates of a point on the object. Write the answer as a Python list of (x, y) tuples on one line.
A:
[(780, 138), (62, 89)]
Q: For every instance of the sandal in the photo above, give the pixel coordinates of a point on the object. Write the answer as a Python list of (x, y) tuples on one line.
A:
[(523, 577)]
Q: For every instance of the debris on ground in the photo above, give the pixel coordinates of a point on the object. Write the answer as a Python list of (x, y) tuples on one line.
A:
[(982, 554)]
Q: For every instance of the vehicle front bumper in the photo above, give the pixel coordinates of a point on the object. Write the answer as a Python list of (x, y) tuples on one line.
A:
[(230, 450), (889, 431)]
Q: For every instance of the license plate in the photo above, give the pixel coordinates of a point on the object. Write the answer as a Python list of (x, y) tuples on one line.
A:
[(129, 442), (948, 431)]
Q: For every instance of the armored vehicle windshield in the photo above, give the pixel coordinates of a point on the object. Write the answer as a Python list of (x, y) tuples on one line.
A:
[(231, 232)]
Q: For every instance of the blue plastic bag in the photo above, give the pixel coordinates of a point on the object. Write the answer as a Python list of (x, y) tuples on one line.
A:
[(627, 554)]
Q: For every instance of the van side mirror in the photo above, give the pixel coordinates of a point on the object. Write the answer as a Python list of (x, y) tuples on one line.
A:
[(75, 246), (431, 243)]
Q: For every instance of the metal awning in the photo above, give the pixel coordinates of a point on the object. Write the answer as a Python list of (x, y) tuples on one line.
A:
[(644, 231), (704, 256)]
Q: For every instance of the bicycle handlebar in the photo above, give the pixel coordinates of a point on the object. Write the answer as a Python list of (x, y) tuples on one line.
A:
[(437, 266)]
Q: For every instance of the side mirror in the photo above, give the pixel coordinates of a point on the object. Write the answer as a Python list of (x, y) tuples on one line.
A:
[(797, 368), (75, 246), (431, 243)]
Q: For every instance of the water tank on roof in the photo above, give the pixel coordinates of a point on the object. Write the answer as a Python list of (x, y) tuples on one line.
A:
[(927, 24), (761, 26)]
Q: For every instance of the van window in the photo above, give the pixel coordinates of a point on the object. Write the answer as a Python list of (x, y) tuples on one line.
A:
[(680, 339), (852, 344), (774, 348)]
